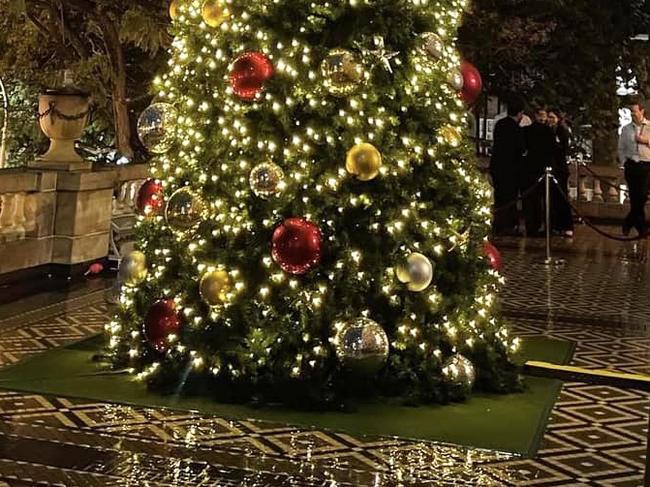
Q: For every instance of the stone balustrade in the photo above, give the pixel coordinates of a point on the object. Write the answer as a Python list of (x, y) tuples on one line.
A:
[(599, 191), (601, 184), (59, 217), (125, 196)]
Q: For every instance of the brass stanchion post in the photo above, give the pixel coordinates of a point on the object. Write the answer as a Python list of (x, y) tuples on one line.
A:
[(549, 260)]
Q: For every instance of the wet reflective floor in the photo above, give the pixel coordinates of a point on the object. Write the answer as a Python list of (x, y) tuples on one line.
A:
[(596, 436)]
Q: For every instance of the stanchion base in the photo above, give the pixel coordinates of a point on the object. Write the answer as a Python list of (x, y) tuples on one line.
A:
[(550, 262)]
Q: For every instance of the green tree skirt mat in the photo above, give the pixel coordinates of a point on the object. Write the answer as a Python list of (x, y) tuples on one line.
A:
[(509, 423)]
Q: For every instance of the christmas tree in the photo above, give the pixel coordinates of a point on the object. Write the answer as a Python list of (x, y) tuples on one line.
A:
[(315, 228)]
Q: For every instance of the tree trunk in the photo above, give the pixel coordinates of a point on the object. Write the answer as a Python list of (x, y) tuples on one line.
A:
[(121, 117), (118, 90)]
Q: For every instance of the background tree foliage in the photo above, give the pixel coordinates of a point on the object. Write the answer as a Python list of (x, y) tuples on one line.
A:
[(560, 52), (565, 53), (111, 47)]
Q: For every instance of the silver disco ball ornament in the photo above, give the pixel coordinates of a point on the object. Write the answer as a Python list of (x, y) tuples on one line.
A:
[(416, 272), (267, 180), (455, 79), (156, 127), (459, 370), (431, 44), (362, 345), (184, 210), (133, 268)]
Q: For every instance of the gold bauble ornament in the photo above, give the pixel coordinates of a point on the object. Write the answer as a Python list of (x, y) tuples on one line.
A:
[(450, 135), (133, 269), (342, 72), (458, 370), (267, 180), (362, 345), (214, 12), (416, 272), (184, 210), (173, 9), (363, 161), (215, 287)]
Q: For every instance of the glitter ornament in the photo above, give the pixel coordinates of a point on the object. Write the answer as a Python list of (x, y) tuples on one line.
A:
[(161, 321), (184, 210), (431, 45), (267, 180), (150, 198), (133, 269), (459, 370), (363, 161), (215, 287), (214, 12), (249, 73), (342, 72), (416, 272), (362, 345), (156, 127), (455, 79), (450, 135), (297, 246)]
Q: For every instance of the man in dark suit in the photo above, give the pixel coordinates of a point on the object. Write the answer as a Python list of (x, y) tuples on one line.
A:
[(507, 152), (540, 141)]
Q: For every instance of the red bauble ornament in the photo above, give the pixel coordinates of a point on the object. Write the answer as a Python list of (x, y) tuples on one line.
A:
[(493, 255), (473, 83), (150, 197), (249, 73), (95, 269), (297, 246), (161, 321)]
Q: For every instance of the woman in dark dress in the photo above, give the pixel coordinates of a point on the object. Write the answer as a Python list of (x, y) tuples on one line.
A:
[(561, 216)]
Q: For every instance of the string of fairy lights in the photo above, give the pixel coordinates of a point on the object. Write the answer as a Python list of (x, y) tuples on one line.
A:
[(209, 72)]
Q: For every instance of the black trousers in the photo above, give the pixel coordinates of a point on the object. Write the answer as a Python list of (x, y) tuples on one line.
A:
[(637, 175), (506, 190), (561, 215), (533, 203)]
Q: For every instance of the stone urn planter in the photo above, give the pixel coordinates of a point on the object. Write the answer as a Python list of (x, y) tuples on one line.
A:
[(63, 115)]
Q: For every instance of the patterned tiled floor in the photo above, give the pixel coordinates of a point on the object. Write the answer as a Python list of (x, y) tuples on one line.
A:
[(596, 435)]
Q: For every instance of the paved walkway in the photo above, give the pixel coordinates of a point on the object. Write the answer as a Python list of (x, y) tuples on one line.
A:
[(599, 299)]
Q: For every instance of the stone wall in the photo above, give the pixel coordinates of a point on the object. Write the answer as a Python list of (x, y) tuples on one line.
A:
[(60, 217)]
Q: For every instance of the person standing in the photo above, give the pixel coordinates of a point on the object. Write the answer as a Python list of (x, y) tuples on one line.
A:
[(561, 216), (634, 152), (539, 141), (505, 164)]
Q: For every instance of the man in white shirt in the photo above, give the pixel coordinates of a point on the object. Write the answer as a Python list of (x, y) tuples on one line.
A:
[(634, 151)]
